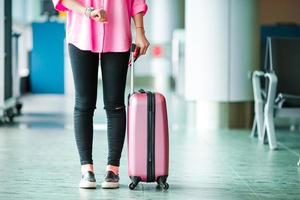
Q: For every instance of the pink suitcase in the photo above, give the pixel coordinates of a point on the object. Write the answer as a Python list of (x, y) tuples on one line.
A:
[(147, 138)]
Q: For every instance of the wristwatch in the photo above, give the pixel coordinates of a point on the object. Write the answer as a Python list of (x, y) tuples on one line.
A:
[(88, 11)]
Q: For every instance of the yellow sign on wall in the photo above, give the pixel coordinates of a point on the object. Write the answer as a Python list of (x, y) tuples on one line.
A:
[(62, 15)]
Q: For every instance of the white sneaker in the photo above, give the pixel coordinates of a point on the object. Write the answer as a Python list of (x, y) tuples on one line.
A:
[(88, 180), (111, 181)]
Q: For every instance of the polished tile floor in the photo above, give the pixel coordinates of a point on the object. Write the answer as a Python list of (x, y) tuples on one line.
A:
[(38, 158)]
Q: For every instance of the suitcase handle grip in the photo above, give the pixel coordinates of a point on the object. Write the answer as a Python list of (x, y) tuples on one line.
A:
[(133, 46), (134, 54), (135, 50)]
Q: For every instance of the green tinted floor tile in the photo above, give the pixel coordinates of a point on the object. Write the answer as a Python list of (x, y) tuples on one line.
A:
[(38, 159)]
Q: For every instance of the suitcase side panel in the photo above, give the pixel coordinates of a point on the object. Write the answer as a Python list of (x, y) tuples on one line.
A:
[(137, 136), (161, 137)]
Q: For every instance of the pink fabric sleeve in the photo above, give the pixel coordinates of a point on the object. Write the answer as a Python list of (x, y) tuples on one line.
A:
[(138, 6), (59, 6)]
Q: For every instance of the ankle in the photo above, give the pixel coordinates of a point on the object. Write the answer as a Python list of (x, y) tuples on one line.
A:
[(114, 169), (87, 167)]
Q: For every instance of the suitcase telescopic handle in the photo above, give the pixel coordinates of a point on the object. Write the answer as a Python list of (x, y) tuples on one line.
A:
[(134, 53), (133, 46)]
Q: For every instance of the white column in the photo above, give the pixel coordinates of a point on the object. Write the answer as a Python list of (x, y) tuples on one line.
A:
[(160, 22), (244, 48), (164, 20), (221, 49)]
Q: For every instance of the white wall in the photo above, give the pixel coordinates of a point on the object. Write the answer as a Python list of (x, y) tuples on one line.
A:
[(26, 11), (221, 49), (23, 13)]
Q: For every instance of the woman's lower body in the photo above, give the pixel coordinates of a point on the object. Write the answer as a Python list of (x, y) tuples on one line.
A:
[(114, 66)]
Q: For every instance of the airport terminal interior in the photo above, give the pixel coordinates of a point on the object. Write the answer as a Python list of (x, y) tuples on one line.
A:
[(230, 74)]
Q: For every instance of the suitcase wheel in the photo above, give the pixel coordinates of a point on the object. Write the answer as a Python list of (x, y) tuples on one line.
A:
[(164, 186), (162, 182), (132, 186), (135, 181)]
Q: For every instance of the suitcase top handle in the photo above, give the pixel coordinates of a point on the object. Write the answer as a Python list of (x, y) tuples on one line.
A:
[(142, 91)]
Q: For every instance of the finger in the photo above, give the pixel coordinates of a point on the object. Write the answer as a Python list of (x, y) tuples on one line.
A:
[(95, 14), (104, 20), (97, 19), (102, 14), (147, 46), (144, 51), (140, 48)]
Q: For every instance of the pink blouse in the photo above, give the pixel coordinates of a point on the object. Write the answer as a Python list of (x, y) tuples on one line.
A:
[(113, 36)]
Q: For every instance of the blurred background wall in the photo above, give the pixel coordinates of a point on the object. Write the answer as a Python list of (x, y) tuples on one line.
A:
[(213, 71), (279, 11)]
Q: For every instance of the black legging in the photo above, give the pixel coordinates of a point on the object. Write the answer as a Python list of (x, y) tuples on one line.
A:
[(114, 67)]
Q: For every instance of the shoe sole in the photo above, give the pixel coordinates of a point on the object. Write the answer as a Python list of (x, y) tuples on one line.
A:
[(110, 185), (87, 184)]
